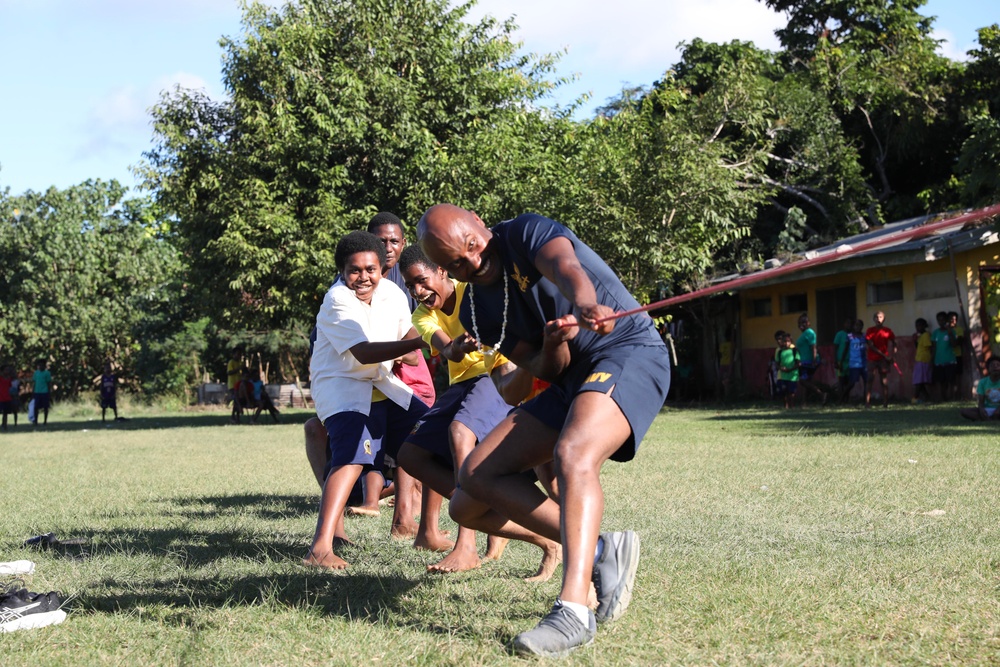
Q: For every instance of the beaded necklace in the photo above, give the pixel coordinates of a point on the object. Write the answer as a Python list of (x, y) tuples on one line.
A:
[(490, 353)]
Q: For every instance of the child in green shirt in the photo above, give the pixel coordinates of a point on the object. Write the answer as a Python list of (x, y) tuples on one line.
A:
[(788, 361)]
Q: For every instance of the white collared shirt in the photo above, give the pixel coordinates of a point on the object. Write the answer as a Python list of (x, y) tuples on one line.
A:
[(340, 383)]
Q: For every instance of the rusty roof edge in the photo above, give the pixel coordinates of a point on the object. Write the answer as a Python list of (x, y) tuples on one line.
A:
[(899, 232)]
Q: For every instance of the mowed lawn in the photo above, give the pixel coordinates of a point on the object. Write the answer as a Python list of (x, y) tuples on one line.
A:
[(812, 537)]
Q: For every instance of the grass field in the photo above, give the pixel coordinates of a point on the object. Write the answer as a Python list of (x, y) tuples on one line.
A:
[(816, 537)]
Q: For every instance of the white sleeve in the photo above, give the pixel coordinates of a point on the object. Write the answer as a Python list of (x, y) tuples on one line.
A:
[(339, 320)]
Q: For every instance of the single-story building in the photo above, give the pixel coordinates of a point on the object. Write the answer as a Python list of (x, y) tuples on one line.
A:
[(908, 269)]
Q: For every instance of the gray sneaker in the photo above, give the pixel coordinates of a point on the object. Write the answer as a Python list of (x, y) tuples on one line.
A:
[(614, 574), (556, 635)]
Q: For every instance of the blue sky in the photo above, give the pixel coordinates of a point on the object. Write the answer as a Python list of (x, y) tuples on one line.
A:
[(78, 76)]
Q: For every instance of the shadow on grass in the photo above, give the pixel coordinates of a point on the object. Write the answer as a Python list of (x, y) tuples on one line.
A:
[(174, 572), (941, 419), (165, 421), (253, 505), (351, 596)]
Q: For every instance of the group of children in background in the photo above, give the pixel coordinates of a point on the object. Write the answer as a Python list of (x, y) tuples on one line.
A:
[(14, 394), (246, 391), (864, 355)]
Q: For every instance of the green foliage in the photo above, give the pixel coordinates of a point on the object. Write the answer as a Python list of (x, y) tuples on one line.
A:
[(792, 238), (169, 363), (337, 109), (877, 65), (978, 161), (653, 193), (79, 268)]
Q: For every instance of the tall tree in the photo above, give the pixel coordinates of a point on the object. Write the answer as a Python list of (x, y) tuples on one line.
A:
[(877, 64), (337, 109), (977, 167)]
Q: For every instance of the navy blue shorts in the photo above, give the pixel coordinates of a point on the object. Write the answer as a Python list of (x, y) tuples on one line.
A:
[(8, 407), (636, 377), (945, 373), (42, 401), (109, 403), (475, 403), (856, 374), (806, 371), (786, 388), (355, 438)]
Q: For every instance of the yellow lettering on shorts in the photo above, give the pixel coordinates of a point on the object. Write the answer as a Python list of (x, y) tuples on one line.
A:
[(368, 446)]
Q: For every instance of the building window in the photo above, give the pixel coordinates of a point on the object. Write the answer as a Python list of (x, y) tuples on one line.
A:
[(760, 307), (794, 303), (888, 291), (933, 286)]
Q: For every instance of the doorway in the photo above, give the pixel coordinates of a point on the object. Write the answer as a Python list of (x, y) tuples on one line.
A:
[(833, 306)]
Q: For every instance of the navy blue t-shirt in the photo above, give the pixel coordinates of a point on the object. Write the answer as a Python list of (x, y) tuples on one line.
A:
[(396, 276), (535, 300)]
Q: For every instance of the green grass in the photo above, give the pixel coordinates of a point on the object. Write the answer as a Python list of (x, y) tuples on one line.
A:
[(768, 538)]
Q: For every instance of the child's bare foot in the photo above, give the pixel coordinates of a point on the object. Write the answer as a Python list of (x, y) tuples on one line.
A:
[(592, 597), (457, 561), (435, 542), (362, 510), (495, 546), (403, 531), (551, 557), (339, 542), (327, 561)]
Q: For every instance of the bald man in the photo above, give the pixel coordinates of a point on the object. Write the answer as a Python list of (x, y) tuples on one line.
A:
[(540, 296)]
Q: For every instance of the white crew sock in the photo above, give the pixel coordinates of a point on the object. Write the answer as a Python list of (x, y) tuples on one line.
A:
[(581, 611)]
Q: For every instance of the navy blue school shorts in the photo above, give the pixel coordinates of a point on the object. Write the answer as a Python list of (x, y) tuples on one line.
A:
[(787, 387), (475, 403), (806, 371), (636, 377), (358, 439), (42, 401)]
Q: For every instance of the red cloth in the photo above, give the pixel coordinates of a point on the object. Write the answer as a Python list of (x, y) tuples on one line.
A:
[(879, 337), (418, 378), (4, 389)]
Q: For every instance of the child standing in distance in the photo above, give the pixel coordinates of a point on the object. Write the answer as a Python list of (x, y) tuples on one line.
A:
[(234, 372), (943, 340), (959, 332), (41, 391), (787, 358), (362, 327), (922, 376), (109, 392), (840, 362), (988, 391), (6, 400), (15, 392), (881, 351), (809, 363), (857, 348), (462, 416)]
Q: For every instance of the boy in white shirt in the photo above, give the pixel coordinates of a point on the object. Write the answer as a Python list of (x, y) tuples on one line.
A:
[(362, 327)]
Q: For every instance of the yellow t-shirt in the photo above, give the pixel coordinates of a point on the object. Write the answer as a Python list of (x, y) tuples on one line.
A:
[(429, 321), (924, 353), (233, 371), (957, 349)]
